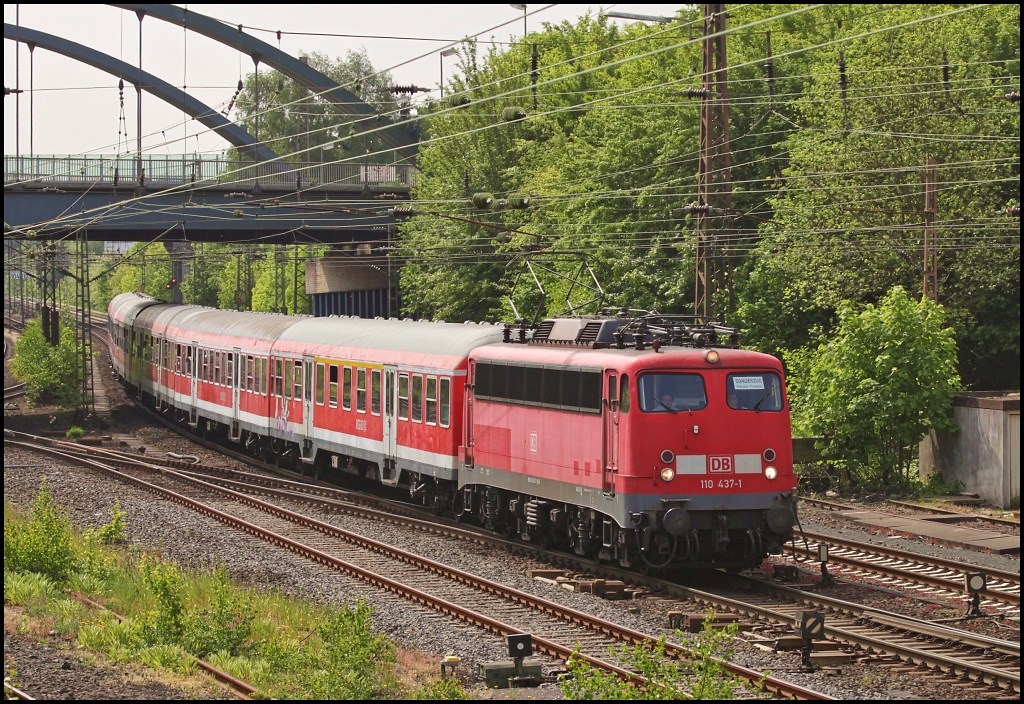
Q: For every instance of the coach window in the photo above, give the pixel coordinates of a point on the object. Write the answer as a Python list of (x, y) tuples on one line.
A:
[(276, 382), (249, 373), (403, 396), (346, 389), (431, 400), (286, 390), (417, 398), (188, 360), (375, 392), (263, 376), (446, 394), (624, 393), (321, 379), (218, 368), (297, 380), (229, 373), (332, 397), (177, 358), (361, 390)]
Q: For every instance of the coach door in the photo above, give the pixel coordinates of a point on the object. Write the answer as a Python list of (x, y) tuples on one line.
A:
[(193, 377), (308, 366), (611, 433), (390, 420), (236, 384)]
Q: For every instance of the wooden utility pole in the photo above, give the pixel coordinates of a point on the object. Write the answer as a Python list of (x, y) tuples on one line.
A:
[(714, 181), (930, 281)]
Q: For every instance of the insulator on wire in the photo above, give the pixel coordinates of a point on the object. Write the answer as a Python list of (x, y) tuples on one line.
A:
[(945, 71), (519, 202), (402, 211), (1013, 96), (513, 114), (697, 93), (1013, 211), (482, 201), (407, 90), (457, 101)]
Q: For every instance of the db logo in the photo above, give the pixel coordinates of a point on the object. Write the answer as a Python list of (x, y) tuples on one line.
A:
[(720, 464)]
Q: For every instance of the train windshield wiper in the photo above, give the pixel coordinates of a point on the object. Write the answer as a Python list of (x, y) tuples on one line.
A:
[(673, 410), (757, 406)]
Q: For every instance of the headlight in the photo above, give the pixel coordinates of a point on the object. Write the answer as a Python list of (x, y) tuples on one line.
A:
[(668, 474), (770, 472)]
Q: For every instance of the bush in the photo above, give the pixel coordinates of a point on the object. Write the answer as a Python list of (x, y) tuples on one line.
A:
[(51, 374), (74, 433), (43, 543)]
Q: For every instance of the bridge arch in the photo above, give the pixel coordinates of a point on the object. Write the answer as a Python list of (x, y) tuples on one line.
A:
[(177, 97), (394, 136)]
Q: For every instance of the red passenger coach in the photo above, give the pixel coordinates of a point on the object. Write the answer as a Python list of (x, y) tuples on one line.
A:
[(636, 439)]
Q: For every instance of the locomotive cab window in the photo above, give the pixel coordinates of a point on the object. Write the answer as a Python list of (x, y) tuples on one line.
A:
[(754, 391), (672, 392)]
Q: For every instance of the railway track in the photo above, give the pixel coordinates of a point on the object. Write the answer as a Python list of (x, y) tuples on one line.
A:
[(908, 642), (557, 631)]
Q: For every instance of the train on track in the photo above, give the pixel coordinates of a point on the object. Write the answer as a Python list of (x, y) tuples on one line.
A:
[(646, 440)]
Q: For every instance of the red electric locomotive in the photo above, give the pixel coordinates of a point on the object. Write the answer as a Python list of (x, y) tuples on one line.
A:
[(647, 440)]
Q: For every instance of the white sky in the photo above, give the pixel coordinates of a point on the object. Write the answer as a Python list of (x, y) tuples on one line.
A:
[(76, 109)]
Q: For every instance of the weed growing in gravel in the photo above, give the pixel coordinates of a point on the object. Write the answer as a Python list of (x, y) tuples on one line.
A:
[(664, 676)]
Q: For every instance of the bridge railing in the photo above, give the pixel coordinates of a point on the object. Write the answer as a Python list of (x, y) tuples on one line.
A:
[(174, 170)]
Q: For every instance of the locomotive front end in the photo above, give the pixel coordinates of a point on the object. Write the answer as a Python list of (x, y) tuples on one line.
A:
[(710, 465)]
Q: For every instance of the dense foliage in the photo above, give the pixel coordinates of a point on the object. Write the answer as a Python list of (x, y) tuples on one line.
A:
[(827, 173)]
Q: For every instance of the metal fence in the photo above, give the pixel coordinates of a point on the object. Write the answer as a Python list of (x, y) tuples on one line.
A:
[(175, 170)]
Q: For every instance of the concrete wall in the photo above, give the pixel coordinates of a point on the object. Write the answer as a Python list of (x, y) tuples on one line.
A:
[(985, 455)]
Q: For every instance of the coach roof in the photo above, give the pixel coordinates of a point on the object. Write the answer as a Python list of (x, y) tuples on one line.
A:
[(422, 337)]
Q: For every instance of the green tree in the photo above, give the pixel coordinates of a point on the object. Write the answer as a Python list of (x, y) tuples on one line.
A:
[(301, 125), (885, 378), (205, 274), (52, 374), (144, 268), (848, 214)]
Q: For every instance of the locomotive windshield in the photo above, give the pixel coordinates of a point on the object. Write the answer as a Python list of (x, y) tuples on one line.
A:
[(670, 393), (752, 391)]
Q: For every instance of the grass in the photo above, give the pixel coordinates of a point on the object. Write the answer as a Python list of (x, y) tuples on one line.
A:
[(287, 648)]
